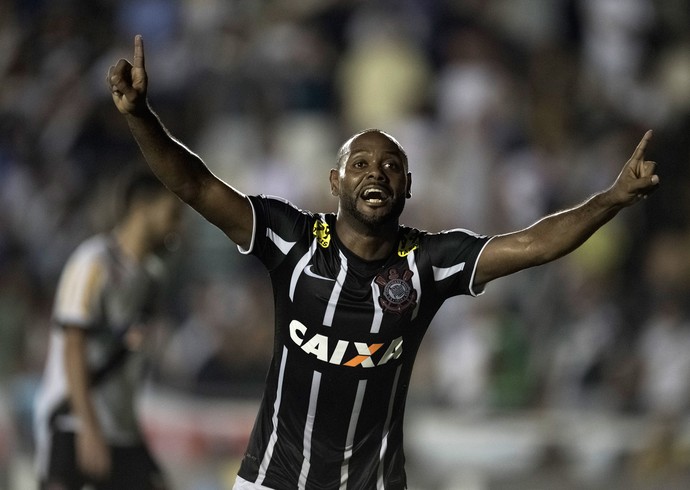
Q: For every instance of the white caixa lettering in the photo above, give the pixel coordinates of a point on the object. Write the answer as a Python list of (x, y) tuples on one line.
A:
[(344, 352)]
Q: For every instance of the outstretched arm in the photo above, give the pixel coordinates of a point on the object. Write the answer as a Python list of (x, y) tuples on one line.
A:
[(559, 234), (182, 171)]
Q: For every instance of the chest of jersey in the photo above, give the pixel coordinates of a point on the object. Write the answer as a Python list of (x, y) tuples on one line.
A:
[(342, 313)]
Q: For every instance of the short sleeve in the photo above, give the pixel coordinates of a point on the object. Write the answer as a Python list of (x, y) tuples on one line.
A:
[(79, 289), (278, 226), (454, 255)]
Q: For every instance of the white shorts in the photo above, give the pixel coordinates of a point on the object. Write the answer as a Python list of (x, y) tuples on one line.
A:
[(242, 484)]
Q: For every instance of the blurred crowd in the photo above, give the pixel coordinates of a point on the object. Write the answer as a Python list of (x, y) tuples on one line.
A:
[(508, 109)]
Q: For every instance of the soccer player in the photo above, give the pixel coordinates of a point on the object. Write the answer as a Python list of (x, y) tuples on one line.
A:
[(354, 292), (86, 424)]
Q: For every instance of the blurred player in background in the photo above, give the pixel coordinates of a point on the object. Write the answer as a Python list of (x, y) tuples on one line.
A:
[(86, 425), (354, 292)]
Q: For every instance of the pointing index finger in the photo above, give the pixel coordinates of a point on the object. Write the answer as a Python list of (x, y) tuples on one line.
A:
[(642, 145), (138, 51)]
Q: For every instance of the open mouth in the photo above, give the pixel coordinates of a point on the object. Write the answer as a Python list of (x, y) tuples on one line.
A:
[(375, 195)]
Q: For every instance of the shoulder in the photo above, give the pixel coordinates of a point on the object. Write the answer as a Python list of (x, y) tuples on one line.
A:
[(278, 221), (276, 212), (82, 279), (454, 236), (275, 203), (414, 237), (93, 249), (459, 233), (442, 247)]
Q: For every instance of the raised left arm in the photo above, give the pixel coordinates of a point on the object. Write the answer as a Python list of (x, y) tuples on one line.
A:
[(558, 234)]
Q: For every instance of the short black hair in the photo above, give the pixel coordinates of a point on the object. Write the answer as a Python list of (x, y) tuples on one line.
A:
[(141, 185)]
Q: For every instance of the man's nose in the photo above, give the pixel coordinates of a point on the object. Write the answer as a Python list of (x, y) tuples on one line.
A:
[(377, 172)]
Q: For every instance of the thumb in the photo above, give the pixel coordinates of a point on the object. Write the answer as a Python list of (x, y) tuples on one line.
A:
[(644, 185)]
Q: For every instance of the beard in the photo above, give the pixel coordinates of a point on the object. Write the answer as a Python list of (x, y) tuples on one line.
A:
[(349, 205)]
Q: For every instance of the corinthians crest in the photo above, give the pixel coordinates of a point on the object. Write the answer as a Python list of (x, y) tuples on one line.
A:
[(397, 293)]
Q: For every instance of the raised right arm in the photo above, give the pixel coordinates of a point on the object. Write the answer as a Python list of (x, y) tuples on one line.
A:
[(181, 170)]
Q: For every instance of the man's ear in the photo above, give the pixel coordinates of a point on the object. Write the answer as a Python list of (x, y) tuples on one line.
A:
[(409, 185), (334, 179)]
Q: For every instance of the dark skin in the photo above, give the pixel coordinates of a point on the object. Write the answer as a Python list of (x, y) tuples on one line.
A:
[(366, 223)]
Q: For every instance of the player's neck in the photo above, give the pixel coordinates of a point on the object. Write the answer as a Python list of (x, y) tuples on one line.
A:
[(368, 244)]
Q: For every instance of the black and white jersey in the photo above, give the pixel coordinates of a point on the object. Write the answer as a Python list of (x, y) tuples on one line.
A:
[(346, 335)]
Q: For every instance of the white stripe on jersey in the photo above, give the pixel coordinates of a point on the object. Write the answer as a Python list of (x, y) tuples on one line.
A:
[(308, 429), (412, 264), (274, 420), (378, 311), (77, 288), (335, 294), (441, 273), (349, 443), (242, 484), (283, 245), (300, 267), (386, 427)]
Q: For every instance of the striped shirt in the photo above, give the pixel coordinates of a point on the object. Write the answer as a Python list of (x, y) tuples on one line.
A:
[(346, 335)]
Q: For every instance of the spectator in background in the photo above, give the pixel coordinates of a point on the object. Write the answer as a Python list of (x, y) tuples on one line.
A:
[(86, 424)]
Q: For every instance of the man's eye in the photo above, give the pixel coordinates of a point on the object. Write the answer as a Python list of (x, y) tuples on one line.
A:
[(359, 164)]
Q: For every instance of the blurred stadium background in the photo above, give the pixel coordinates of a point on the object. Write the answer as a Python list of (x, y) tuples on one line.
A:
[(572, 375)]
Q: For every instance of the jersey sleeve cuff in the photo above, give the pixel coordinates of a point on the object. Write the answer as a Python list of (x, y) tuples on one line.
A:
[(478, 289), (248, 250)]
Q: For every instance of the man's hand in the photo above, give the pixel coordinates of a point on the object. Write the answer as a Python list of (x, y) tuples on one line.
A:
[(93, 455), (128, 83), (637, 179)]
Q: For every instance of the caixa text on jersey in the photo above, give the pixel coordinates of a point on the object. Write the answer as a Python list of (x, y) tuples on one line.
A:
[(344, 352)]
